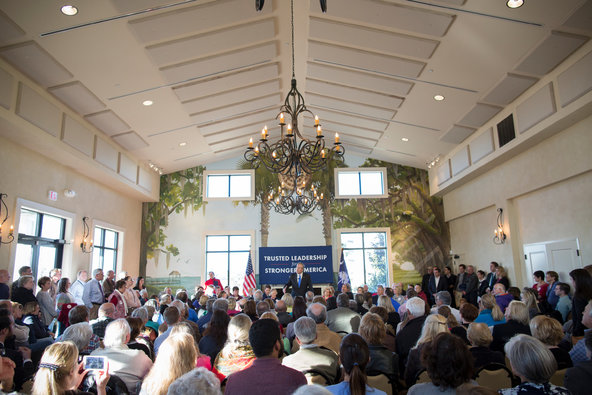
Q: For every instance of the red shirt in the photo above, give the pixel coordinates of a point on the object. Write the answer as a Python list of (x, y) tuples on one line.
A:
[(542, 290)]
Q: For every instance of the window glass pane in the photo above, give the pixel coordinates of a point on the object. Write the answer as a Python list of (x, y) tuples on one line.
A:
[(24, 257), (217, 243), (97, 259), (371, 183), (108, 259), (217, 262), (240, 185), (47, 260), (349, 183), (354, 260), (97, 238), (217, 186), (376, 269), (110, 238), (351, 240), (238, 267), (240, 243), (52, 227), (28, 223), (373, 240)]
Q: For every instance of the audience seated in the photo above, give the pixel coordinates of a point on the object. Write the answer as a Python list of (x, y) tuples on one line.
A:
[(468, 314), (80, 314), (106, 315), (266, 372), (129, 365), (282, 313), (393, 317), (448, 363), (443, 298), (46, 301), (389, 339), (550, 333), (382, 360), (578, 352), (529, 297), (176, 358), (237, 353), (343, 319), (325, 337), (197, 381), (171, 317), (534, 364), (408, 335), (490, 313), (516, 322), (136, 342), (480, 338), (453, 326), (215, 335), (21, 356), (59, 372), (310, 355), (24, 292), (298, 310), (80, 335), (578, 378), (434, 324), (563, 305)]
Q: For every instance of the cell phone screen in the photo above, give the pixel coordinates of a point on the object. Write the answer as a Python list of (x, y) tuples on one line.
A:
[(96, 363)]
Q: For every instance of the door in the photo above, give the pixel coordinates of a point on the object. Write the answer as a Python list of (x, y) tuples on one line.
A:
[(560, 256)]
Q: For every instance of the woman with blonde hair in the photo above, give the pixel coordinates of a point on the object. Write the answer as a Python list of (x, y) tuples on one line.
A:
[(60, 373), (289, 301), (529, 297), (393, 317), (237, 353), (489, 312), (328, 292), (516, 322), (434, 324), (176, 356), (550, 332), (480, 338)]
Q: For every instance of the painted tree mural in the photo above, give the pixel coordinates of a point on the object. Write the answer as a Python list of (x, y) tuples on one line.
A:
[(419, 233), (179, 192)]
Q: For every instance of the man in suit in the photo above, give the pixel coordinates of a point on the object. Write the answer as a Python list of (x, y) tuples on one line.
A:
[(343, 319), (300, 282), (491, 278), (436, 284), (310, 354)]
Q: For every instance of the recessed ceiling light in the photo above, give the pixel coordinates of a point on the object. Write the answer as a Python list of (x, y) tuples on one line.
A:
[(183, 144), (405, 139), (438, 97), (514, 3), (147, 103), (69, 10)]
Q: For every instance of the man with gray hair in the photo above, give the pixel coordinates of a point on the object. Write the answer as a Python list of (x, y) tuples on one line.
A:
[(325, 338), (77, 287), (93, 296), (443, 298), (99, 325), (310, 355), (79, 334), (409, 334), (309, 297), (343, 319), (129, 365), (258, 296), (196, 381)]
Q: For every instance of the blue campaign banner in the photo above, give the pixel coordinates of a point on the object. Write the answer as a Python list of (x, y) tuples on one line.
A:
[(277, 263)]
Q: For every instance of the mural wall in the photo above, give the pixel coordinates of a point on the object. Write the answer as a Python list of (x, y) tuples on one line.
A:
[(174, 229)]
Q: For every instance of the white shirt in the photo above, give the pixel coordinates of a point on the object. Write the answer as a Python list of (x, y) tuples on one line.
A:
[(129, 365), (77, 290)]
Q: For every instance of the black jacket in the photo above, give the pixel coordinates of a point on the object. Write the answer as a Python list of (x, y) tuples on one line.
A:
[(382, 361), (483, 356), (406, 339), (502, 333), (305, 284)]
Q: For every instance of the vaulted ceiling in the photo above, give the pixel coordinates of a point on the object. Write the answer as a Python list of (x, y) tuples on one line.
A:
[(218, 70)]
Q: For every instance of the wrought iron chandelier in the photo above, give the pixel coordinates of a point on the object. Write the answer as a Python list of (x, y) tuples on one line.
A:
[(294, 157)]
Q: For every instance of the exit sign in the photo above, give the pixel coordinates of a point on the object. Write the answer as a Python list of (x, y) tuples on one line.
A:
[(52, 195)]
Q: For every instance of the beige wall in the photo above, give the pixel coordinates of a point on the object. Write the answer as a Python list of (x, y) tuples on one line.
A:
[(28, 175), (545, 193)]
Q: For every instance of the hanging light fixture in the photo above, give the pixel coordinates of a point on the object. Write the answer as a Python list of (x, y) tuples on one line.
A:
[(10, 237), (87, 245), (500, 236), (294, 157)]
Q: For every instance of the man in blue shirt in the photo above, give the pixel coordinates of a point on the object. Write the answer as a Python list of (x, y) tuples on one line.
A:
[(93, 296)]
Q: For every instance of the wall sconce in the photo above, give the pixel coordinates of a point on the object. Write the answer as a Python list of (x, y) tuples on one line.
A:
[(86, 246), (10, 237), (500, 236)]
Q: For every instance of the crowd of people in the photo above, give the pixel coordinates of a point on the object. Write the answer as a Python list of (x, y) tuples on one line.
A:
[(434, 337)]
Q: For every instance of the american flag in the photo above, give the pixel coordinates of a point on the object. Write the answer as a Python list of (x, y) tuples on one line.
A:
[(249, 282)]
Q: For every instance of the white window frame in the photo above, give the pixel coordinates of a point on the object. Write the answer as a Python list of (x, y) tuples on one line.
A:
[(250, 232), (70, 218), (207, 173), (369, 230), (120, 239), (361, 170)]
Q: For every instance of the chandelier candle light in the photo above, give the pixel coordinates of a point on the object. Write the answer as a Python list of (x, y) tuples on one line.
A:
[(294, 157)]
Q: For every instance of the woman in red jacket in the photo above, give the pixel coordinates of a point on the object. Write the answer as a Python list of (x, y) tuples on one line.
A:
[(117, 299)]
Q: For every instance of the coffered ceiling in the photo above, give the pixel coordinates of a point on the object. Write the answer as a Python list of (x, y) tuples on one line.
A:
[(218, 70)]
